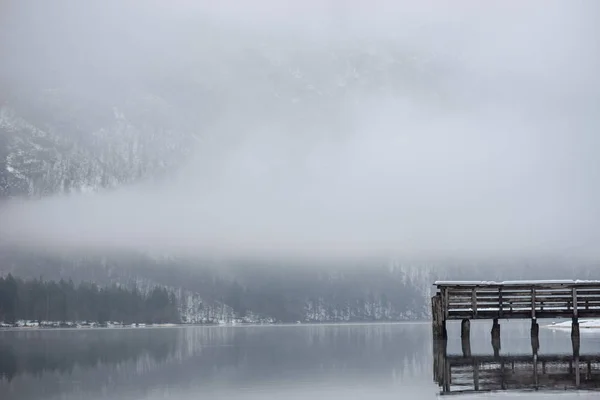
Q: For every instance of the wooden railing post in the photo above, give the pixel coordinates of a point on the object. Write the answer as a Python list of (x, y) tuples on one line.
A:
[(500, 301), (445, 303), (575, 303), (575, 323), (533, 303)]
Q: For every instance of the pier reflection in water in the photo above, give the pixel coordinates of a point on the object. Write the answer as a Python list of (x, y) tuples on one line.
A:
[(468, 373)]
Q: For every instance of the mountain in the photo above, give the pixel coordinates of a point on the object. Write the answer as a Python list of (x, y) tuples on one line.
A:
[(60, 155), (99, 130), (86, 109)]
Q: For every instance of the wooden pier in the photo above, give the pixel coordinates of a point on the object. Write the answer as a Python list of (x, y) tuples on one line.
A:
[(467, 300)]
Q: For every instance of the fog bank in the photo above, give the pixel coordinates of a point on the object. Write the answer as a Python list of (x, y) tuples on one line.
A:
[(391, 130)]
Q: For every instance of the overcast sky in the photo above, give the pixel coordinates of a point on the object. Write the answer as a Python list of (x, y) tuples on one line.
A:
[(481, 141)]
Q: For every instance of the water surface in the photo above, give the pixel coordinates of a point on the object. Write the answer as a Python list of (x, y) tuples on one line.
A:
[(250, 362)]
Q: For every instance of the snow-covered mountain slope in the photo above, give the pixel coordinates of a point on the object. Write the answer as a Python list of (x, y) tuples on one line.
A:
[(57, 157), (142, 114)]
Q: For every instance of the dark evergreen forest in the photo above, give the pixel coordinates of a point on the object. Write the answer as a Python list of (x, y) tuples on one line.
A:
[(38, 300)]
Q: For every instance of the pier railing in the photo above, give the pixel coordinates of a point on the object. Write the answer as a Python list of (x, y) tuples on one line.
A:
[(542, 299), (513, 299)]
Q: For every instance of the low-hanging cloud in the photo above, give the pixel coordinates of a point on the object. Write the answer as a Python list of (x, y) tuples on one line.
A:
[(487, 150)]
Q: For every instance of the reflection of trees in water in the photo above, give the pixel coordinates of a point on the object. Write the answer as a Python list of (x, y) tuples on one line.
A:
[(8, 363), (61, 351), (36, 364), (39, 362), (74, 363)]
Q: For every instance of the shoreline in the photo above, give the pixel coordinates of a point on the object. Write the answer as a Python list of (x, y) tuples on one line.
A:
[(95, 326)]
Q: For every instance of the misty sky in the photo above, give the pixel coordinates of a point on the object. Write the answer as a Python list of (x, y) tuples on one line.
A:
[(470, 130)]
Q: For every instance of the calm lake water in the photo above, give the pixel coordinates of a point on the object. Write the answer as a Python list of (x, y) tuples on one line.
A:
[(252, 362)]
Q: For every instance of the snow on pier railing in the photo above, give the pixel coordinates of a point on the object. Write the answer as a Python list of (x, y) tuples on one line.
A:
[(517, 283)]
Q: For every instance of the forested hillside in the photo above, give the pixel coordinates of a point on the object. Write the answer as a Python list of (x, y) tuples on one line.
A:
[(207, 293), (36, 300)]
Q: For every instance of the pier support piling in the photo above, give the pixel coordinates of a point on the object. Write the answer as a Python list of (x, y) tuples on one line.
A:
[(535, 334), (440, 348), (496, 329), (575, 337), (535, 328), (575, 328), (466, 347), (465, 336), (535, 344), (465, 329), (496, 337), (438, 318)]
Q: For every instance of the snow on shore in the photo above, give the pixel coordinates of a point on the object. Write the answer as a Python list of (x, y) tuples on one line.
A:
[(583, 324), (78, 324)]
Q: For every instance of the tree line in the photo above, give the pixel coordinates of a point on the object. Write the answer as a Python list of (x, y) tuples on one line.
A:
[(38, 300)]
